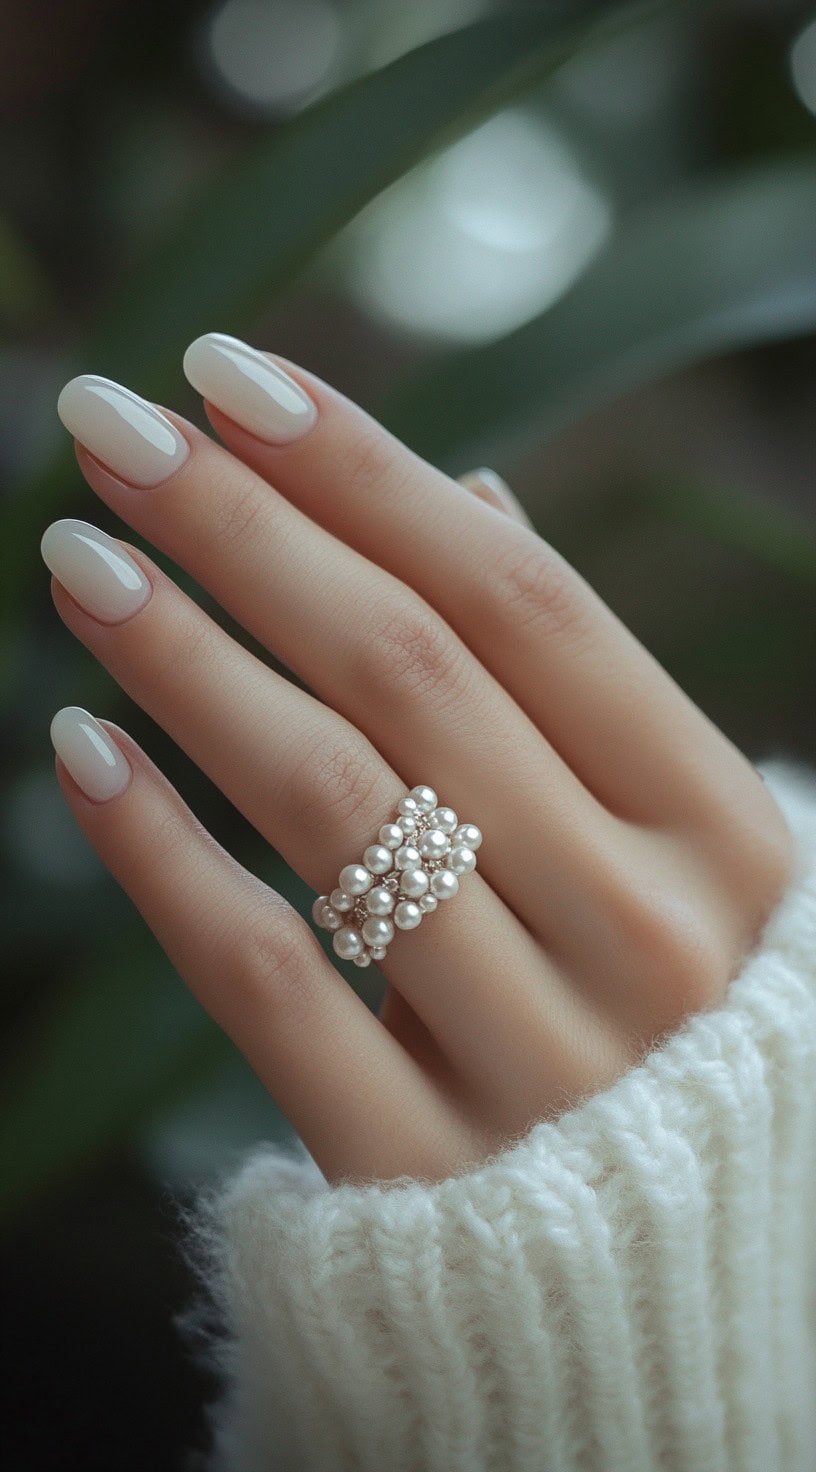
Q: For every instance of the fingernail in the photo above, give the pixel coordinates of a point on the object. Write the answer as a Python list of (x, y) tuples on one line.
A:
[(130, 436), (95, 569), (248, 387), (94, 761)]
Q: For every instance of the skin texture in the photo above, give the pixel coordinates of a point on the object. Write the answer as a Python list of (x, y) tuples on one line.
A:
[(631, 853)]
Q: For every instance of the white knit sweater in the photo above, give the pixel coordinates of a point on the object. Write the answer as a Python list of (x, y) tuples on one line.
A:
[(631, 1288)]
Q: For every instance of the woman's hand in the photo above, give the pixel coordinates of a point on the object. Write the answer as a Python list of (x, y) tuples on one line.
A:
[(631, 854)]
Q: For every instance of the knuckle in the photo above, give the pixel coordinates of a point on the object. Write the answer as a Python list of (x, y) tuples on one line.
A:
[(337, 788), (532, 587), (413, 653), (274, 963), (372, 461), (186, 646), (238, 513)]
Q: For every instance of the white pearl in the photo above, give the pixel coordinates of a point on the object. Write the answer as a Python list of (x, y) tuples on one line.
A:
[(390, 835), (355, 879), (407, 857), (433, 844), (414, 882), (461, 860), (348, 942), (364, 959), (444, 884), (408, 806), (407, 915), (428, 903), (331, 919), (379, 900), (467, 835), (340, 901), (424, 797), (378, 953), (317, 909), (444, 818), (377, 931), (378, 858), (407, 824)]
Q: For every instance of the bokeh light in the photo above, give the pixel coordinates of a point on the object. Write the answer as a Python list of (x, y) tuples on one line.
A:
[(803, 65), (273, 55)]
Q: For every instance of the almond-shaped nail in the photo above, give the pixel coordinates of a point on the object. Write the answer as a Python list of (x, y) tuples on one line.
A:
[(131, 437), (95, 569), (249, 388), (93, 759)]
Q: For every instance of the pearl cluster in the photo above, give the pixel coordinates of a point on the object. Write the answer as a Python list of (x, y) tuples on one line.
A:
[(416, 862)]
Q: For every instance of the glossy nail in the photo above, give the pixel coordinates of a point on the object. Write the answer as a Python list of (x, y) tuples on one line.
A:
[(95, 569), (93, 759), (129, 436), (248, 387)]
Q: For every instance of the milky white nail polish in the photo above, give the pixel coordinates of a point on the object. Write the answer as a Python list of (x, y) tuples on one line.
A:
[(248, 387), (93, 759), (95, 569), (129, 436)]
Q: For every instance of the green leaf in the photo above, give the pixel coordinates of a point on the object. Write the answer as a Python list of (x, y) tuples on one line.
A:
[(723, 263), (252, 230)]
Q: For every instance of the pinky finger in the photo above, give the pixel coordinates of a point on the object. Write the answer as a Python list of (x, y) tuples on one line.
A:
[(249, 958)]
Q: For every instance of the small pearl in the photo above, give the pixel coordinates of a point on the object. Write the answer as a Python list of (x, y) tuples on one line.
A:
[(461, 860), (378, 858), (379, 900), (340, 901), (408, 806), (407, 824), (414, 882), (355, 879), (444, 818), (377, 931), (444, 884), (428, 903), (317, 909), (467, 835), (331, 919), (348, 942), (433, 844), (378, 953), (391, 835), (407, 915), (424, 797), (364, 959), (407, 857)]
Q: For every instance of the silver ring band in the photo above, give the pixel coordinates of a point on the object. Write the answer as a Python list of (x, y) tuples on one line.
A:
[(417, 860)]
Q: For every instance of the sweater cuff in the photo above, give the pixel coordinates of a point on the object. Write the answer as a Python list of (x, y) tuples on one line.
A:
[(629, 1287)]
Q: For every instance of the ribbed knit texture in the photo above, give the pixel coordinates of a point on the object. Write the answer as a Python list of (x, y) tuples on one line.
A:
[(630, 1288)]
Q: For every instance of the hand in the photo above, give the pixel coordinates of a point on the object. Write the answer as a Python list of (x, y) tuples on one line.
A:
[(631, 853)]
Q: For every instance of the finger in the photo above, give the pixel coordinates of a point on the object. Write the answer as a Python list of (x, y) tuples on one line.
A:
[(317, 789), (581, 676), (490, 487), (354, 1096), (373, 650)]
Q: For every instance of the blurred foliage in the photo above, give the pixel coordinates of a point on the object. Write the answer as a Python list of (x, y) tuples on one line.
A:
[(721, 260)]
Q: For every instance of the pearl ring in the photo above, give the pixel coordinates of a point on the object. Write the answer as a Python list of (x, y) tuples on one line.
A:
[(417, 861)]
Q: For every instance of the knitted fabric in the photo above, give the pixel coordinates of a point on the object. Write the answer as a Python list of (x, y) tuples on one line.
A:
[(630, 1287)]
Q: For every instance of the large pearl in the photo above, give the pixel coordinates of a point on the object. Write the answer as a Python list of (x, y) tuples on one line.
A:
[(407, 857), (428, 903), (377, 931), (467, 835), (355, 879), (444, 884), (407, 915), (444, 818), (414, 882), (340, 901), (391, 835), (408, 806), (377, 858), (461, 860), (433, 844), (424, 797), (364, 959), (379, 900), (348, 942), (407, 824), (317, 909)]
